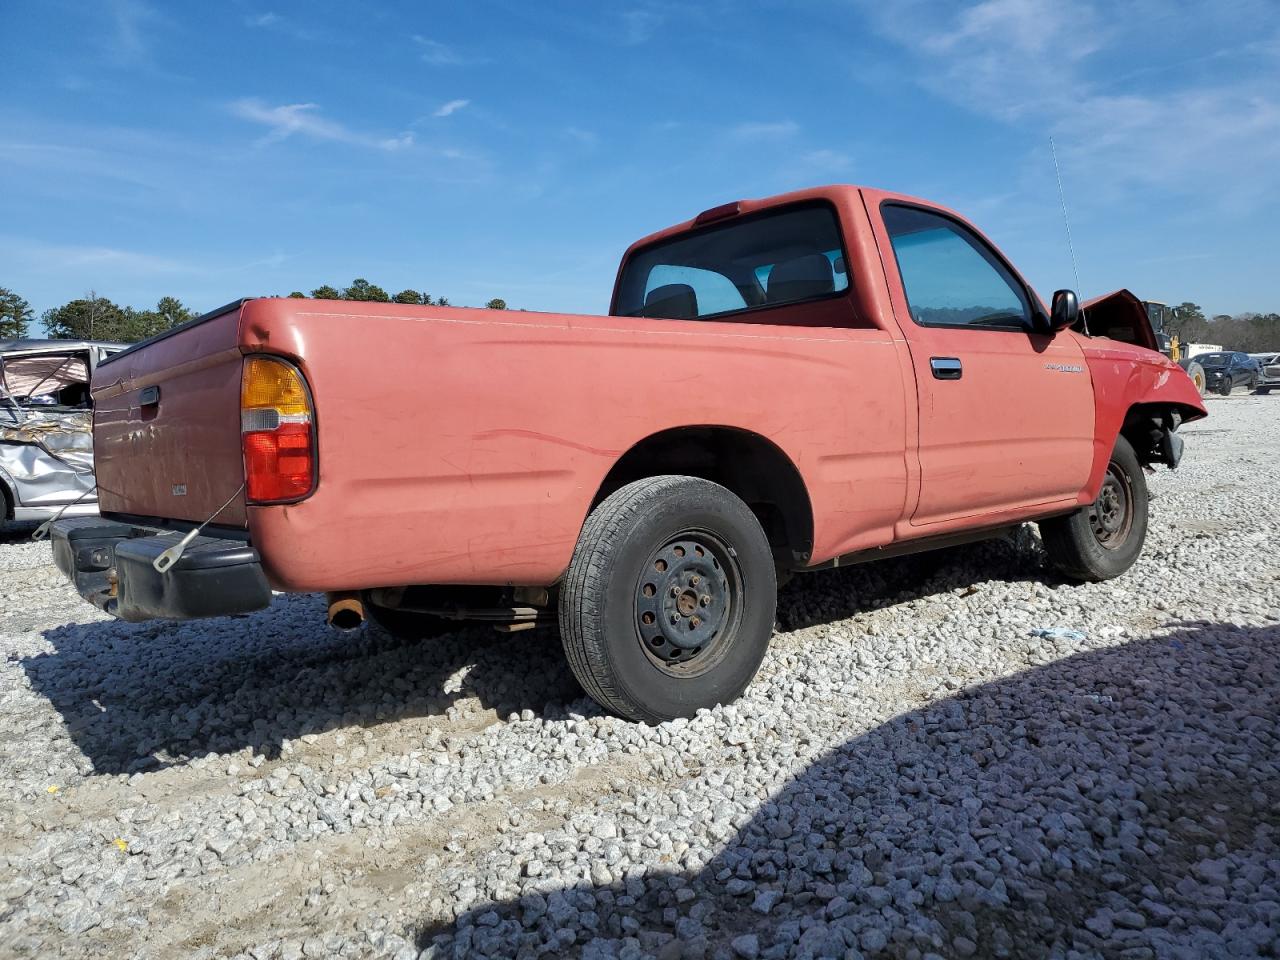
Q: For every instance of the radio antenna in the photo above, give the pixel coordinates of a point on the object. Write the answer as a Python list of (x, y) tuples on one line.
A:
[(1062, 198)]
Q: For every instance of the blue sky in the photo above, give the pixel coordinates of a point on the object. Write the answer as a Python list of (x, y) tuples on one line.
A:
[(210, 151)]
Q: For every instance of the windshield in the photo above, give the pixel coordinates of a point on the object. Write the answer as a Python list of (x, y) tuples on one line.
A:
[(1213, 359), (784, 256)]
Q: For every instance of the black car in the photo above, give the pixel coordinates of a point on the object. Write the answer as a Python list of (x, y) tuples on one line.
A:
[(1227, 370)]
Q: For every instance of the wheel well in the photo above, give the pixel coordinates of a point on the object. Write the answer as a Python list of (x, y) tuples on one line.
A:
[(754, 468), (1145, 424), (6, 501)]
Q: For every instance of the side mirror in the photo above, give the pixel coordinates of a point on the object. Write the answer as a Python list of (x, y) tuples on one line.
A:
[(1065, 310)]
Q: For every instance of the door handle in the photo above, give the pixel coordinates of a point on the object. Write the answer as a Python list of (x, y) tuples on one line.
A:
[(149, 396), (946, 368)]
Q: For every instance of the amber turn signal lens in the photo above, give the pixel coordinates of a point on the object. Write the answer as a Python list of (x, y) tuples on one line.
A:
[(277, 432), (273, 384)]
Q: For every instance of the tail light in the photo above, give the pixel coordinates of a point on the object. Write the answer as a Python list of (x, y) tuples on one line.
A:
[(277, 432)]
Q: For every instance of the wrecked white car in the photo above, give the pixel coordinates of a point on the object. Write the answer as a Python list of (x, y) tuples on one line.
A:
[(46, 427)]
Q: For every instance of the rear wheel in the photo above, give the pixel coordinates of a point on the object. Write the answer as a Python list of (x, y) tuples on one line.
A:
[(669, 600), (1104, 539), (1262, 391)]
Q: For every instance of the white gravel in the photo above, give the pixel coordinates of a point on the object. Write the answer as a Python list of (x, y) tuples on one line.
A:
[(914, 774)]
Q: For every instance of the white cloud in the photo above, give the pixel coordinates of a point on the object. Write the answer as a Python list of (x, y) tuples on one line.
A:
[(285, 120), (450, 108), (438, 54), (127, 44), (766, 130), (588, 138), (86, 260), (639, 24), (824, 161), (267, 19), (1040, 64)]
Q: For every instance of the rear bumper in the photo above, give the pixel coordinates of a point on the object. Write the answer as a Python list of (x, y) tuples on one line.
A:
[(110, 564)]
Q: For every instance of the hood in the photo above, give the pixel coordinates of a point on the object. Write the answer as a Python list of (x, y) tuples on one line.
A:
[(1118, 316)]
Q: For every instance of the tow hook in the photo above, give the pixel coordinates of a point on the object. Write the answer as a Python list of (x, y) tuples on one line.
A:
[(346, 610)]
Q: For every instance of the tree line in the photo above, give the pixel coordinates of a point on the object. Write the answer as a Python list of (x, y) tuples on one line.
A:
[(1247, 332), (92, 317), (362, 289), (96, 318)]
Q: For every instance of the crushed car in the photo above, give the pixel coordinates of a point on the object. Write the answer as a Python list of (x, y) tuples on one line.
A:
[(46, 427)]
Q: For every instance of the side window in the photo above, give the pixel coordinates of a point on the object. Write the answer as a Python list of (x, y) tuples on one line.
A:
[(951, 277)]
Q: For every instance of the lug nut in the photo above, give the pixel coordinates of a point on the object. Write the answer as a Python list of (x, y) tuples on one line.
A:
[(705, 600), (695, 621), (675, 591), (694, 580), (675, 618)]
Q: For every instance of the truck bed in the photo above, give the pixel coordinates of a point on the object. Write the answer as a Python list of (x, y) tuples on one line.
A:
[(456, 442)]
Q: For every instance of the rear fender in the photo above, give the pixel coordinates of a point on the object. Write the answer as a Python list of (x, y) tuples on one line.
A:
[(1140, 393)]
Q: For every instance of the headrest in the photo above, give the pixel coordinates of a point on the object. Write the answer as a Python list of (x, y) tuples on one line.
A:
[(807, 276), (675, 301)]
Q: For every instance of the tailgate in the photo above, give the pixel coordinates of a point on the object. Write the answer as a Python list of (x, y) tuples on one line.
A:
[(166, 424)]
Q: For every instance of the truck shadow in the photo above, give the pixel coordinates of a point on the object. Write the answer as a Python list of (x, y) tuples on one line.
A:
[(828, 595), (141, 696), (16, 531), (1119, 803), (136, 697)]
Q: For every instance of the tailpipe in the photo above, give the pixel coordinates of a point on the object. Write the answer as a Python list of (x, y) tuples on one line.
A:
[(346, 611)]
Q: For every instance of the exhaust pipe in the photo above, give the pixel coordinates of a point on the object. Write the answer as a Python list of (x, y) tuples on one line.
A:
[(346, 611)]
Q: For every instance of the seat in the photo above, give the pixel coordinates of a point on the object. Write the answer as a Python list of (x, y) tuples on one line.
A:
[(800, 279), (675, 301)]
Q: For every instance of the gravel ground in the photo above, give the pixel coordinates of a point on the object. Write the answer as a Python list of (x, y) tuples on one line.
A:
[(914, 774)]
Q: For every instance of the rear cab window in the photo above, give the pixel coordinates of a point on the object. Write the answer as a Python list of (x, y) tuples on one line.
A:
[(784, 256)]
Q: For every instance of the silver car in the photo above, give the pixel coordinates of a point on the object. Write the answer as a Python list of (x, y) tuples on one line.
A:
[(1270, 376), (46, 427)]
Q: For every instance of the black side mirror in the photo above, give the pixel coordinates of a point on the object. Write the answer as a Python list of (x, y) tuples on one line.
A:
[(1065, 310)]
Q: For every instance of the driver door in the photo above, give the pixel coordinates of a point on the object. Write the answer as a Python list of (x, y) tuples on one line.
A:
[(1006, 413)]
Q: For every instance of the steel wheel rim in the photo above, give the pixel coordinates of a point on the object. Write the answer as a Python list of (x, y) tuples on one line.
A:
[(688, 603), (1111, 515)]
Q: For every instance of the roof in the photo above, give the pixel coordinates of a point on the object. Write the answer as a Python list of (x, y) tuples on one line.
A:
[(20, 346)]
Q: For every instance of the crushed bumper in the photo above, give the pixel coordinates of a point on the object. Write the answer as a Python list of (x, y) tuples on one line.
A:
[(111, 566)]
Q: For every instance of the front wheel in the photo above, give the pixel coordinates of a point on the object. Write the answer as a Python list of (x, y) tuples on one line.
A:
[(669, 600), (1104, 539)]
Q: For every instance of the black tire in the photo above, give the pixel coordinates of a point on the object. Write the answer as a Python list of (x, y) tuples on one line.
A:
[(1196, 373), (1104, 539), (1224, 389), (407, 625), (1262, 391), (643, 651)]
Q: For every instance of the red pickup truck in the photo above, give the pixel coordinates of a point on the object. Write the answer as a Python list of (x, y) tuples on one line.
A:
[(781, 385)]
